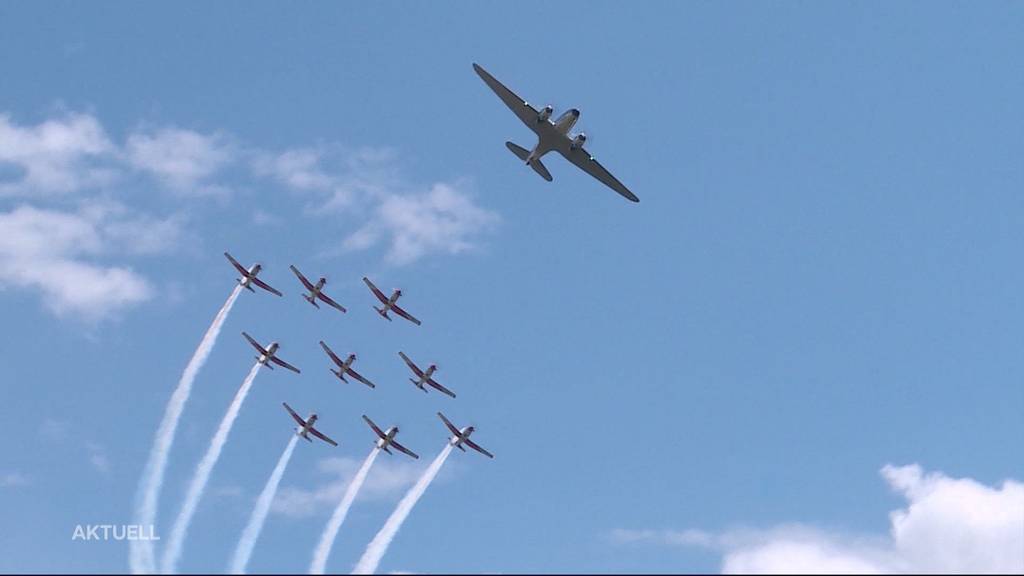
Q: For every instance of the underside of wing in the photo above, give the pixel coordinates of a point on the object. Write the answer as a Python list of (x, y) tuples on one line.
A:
[(359, 377), (590, 165), (441, 388), (265, 286), (410, 364), (450, 426), (284, 364), (404, 314), (294, 415), (331, 353), (403, 449), (528, 114), (254, 343), (322, 436), (302, 279), (377, 430), (477, 447), (241, 269), (329, 301), (376, 291)]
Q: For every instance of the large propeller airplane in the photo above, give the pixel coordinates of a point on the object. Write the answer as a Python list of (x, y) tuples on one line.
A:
[(387, 439), (552, 135), (316, 291), (461, 437), (268, 354), (306, 426), (249, 276), (389, 303), (424, 378), (344, 366)]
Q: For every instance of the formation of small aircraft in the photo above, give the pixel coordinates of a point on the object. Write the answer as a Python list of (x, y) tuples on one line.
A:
[(342, 368)]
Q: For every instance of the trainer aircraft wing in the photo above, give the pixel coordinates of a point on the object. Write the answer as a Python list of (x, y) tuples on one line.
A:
[(439, 387), (359, 377), (374, 426), (241, 269), (376, 291), (404, 314), (302, 279), (477, 447), (528, 114), (582, 159), (410, 364), (322, 436), (265, 286), (449, 425), (402, 449), (331, 353), (329, 301), (284, 364), (254, 343), (294, 415)]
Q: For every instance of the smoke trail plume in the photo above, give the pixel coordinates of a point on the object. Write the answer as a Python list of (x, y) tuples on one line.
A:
[(141, 555), (259, 514), (379, 545), (323, 549), (202, 476)]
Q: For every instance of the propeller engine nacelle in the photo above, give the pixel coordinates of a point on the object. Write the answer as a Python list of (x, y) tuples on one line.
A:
[(578, 141), (544, 114)]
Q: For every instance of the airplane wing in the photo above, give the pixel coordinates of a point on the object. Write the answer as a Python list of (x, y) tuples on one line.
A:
[(441, 388), (376, 291), (449, 425), (403, 449), (409, 363), (302, 278), (254, 343), (241, 269), (374, 426), (265, 286), (331, 353), (284, 364), (359, 377), (477, 447), (582, 159), (327, 299), (528, 114), (404, 314), (294, 415), (322, 436)]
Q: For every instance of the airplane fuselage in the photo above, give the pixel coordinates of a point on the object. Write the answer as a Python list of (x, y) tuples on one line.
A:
[(422, 381), (383, 443), (246, 279), (463, 435), (304, 431), (317, 289), (389, 304), (554, 135), (264, 358)]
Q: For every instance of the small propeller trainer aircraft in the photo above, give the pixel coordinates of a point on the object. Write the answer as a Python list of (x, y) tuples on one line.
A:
[(306, 426), (462, 437), (249, 276), (389, 303), (424, 378), (344, 366), (552, 136), (268, 354), (386, 439), (316, 291)]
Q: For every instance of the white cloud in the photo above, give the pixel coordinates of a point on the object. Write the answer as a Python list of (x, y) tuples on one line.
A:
[(949, 525), (98, 457), (386, 479), (60, 155), (54, 252), (183, 160), (13, 480)]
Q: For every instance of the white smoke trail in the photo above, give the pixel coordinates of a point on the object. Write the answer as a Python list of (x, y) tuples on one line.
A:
[(202, 476), (259, 514), (323, 549), (141, 555), (379, 545)]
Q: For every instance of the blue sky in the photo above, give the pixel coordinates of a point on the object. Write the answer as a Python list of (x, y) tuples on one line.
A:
[(822, 276)]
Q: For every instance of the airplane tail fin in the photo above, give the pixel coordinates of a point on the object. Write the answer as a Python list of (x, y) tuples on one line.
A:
[(338, 374), (265, 364), (382, 312), (459, 446), (249, 287), (523, 154)]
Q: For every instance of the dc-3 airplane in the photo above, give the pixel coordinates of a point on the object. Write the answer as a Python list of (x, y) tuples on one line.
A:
[(424, 378), (268, 354), (386, 439), (345, 366), (552, 136), (462, 437), (306, 426), (249, 276), (316, 291), (389, 303)]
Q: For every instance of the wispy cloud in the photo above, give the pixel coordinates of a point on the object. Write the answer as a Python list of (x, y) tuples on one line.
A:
[(13, 479), (183, 160), (949, 525)]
